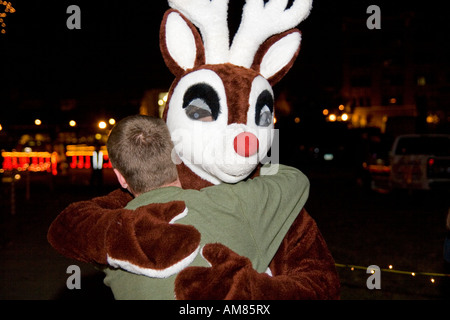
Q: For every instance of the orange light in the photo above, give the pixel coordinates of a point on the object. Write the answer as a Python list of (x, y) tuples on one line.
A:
[(54, 161), (27, 161)]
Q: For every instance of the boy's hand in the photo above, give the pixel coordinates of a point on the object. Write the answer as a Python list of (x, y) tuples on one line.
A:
[(145, 241)]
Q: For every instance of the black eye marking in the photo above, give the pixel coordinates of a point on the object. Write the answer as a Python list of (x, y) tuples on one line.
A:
[(201, 102), (264, 109)]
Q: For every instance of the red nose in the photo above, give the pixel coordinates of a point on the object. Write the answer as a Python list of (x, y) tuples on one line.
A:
[(246, 144)]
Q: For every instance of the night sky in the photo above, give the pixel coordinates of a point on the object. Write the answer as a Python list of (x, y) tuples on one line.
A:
[(108, 64)]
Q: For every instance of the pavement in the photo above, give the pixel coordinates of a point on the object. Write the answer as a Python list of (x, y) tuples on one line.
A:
[(30, 269)]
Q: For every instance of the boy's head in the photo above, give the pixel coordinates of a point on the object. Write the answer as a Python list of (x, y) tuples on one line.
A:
[(140, 149)]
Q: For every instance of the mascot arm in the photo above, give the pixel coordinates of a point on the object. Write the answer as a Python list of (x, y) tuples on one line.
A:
[(302, 269), (101, 231)]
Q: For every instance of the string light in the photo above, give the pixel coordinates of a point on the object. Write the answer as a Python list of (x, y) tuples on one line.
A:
[(7, 8), (390, 269)]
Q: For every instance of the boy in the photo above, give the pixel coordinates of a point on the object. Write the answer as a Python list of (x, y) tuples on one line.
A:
[(140, 151)]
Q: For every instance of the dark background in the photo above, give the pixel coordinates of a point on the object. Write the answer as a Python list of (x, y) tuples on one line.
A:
[(108, 64), (103, 70)]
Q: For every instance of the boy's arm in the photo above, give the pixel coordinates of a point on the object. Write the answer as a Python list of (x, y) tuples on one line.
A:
[(101, 231), (278, 190), (271, 203), (302, 266)]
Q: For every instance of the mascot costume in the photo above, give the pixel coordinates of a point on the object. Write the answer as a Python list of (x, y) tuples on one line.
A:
[(220, 113)]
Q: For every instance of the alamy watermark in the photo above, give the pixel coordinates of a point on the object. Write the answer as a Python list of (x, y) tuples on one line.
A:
[(222, 148), (374, 20), (374, 280), (74, 280), (74, 20)]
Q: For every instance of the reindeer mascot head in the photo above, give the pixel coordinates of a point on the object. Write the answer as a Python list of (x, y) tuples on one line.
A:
[(220, 108)]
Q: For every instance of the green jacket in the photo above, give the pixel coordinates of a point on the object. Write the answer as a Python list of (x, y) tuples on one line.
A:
[(251, 218)]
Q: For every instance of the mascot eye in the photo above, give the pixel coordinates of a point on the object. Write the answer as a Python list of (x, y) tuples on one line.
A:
[(265, 117), (199, 110), (264, 109), (201, 102)]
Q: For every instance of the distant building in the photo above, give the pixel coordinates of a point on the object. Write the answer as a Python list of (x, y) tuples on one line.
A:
[(397, 72)]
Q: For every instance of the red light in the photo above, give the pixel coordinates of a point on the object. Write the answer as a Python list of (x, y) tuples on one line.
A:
[(80, 162), (73, 164), (430, 162), (87, 163)]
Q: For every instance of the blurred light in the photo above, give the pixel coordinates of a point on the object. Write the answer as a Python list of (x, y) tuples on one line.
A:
[(8, 8), (17, 177), (332, 117), (328, 156), (112, 121), (72, 123), (432, 280), (341, 107), (393, 100), (390, 266), (37, 122), (325, 112), (432, 118), (160, 102), (1, 128), (97, 160), (297, 120), (27, 149), (344, 117), (413, 274), (274, 120), (98, 136), (421, 81), (102, 124)]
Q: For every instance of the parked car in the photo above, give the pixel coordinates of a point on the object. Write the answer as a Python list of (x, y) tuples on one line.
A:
[(420, 161)]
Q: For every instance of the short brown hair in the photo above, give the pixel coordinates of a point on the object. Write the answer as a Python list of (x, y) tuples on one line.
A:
[(140, 148)]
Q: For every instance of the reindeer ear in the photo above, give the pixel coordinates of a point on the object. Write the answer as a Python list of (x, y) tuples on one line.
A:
[(277, 55), (180, 42)]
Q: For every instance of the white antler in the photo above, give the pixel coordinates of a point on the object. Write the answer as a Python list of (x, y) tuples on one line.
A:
[(260, 21), (210, 16)]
